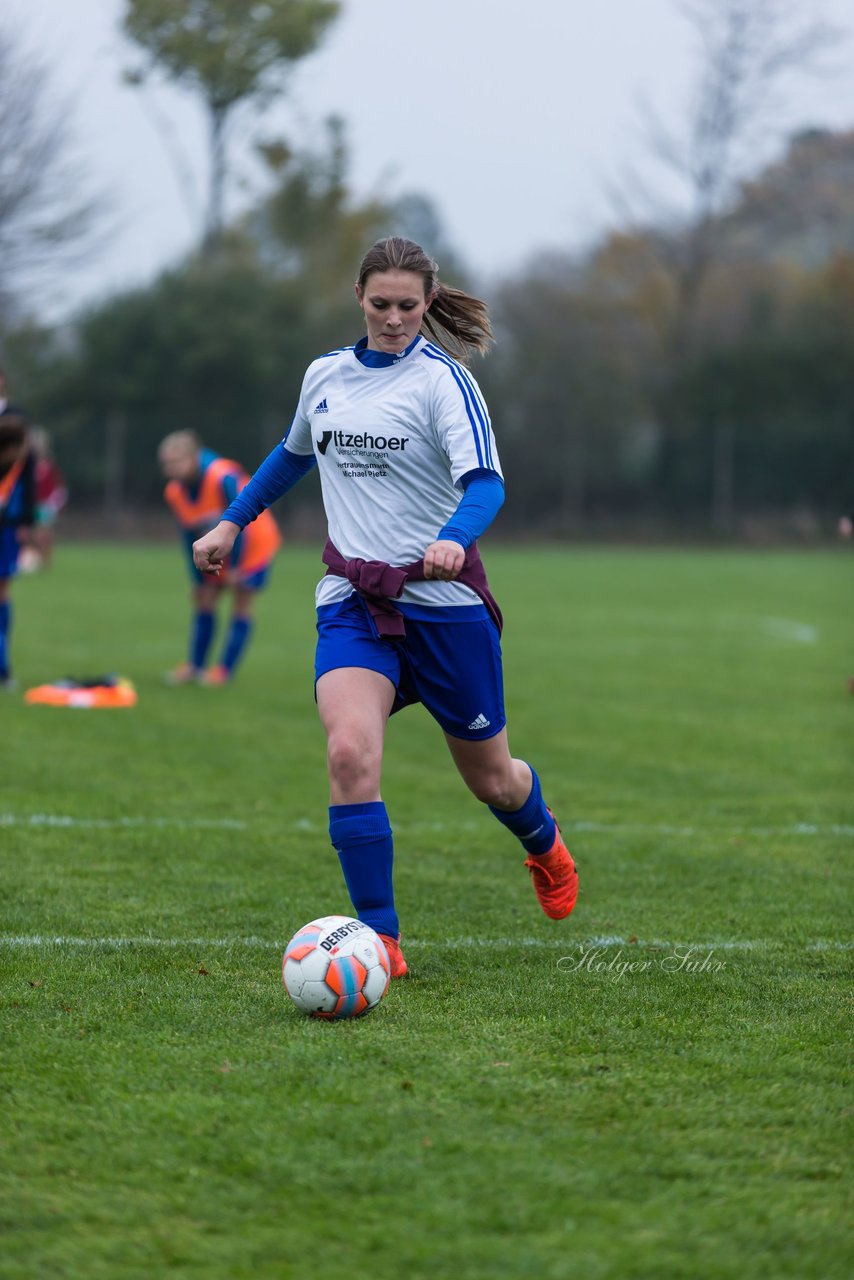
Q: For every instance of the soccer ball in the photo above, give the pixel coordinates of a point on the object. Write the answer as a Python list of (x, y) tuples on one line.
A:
[(336, 967)]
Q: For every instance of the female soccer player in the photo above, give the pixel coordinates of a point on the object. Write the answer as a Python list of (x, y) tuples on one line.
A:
[(17, 512), (201, 485), (410, 478)]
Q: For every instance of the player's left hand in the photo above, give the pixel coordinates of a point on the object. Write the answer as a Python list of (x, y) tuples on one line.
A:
[(443, 560)]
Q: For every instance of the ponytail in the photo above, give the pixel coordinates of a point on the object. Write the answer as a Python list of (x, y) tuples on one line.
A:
[(459, 323)]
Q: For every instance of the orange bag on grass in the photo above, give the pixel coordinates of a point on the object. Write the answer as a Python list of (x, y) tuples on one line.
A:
[(102, 691)]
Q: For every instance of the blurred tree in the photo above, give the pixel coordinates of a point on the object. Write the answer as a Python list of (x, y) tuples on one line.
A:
[(784, 386), (44, 217), (800, 209), (559, 390), (229, 52), (220, 344), (310, 227), (748, 52), (584, 368), (310, 222), (205, 347)]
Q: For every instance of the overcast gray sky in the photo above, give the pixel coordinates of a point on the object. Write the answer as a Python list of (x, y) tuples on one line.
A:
[(515, 118)]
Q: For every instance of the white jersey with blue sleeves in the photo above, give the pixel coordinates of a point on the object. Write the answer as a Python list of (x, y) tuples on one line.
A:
[(391, 445)]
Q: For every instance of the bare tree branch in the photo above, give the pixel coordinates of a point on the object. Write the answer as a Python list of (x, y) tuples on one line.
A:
[(173, 146), (748, 52), (45, 218)]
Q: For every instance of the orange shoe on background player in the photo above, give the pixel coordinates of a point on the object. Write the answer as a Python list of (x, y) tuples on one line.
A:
[(216, 676), (399, 967), (184, 673), (555, 878)]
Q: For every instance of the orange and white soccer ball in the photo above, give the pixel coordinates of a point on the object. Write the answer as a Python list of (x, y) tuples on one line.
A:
[(336, 967)]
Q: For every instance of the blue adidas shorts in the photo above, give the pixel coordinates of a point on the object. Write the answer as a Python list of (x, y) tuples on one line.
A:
[(454, 668), (255, 582)]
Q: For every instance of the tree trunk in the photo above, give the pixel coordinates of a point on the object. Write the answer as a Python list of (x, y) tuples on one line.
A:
[(723, 477), (216, 200), (115, 448), (574, 488)]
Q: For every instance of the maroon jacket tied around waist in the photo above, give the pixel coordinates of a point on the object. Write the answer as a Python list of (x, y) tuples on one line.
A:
[(379, 584)]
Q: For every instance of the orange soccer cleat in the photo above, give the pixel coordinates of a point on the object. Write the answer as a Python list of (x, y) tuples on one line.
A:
[(186, 673), (216, 676), (555, 878), (398, 964)]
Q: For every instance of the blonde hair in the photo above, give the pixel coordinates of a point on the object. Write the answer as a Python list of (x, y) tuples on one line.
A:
[(456, 321), (185, 442)]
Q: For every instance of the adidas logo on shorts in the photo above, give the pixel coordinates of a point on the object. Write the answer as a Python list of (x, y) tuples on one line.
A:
[(479, 722)]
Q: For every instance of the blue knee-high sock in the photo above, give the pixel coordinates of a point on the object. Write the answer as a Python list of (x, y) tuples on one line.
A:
[(5, 628), (201, 635), (362, 838), (532, 824), (238, 636)]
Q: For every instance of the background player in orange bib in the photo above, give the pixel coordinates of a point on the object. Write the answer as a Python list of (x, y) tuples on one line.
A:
[(201, 484)]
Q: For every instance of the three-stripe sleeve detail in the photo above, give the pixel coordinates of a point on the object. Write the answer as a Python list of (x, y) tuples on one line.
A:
[(475, 407)]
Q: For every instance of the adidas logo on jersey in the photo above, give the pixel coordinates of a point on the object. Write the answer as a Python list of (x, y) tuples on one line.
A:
[(479, 722), (323, 407)]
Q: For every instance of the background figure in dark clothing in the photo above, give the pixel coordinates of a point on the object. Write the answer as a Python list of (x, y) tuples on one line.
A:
[(17, 513)]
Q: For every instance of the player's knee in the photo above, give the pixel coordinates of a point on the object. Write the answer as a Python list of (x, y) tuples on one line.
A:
[(352, 761), (491, 787), (206, 597)]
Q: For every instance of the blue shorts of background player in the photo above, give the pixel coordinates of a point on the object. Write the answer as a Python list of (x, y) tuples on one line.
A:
[(10, 548), (454, 669), (251, 582)]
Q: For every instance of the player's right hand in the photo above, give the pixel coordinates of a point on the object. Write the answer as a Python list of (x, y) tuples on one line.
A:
[(210, 552)]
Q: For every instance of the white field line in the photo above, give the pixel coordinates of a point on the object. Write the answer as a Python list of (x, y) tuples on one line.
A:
[(309, 826), (60, 820), (788, 629), (37, 941), (664, 829)]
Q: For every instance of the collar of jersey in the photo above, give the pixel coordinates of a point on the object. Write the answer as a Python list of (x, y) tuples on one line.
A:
[(381, 359), (206, 457)]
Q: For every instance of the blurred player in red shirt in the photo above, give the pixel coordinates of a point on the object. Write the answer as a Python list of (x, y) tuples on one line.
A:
[(51, 495)]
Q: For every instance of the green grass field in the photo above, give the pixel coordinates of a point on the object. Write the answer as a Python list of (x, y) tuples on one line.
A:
[(654, 1088)]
